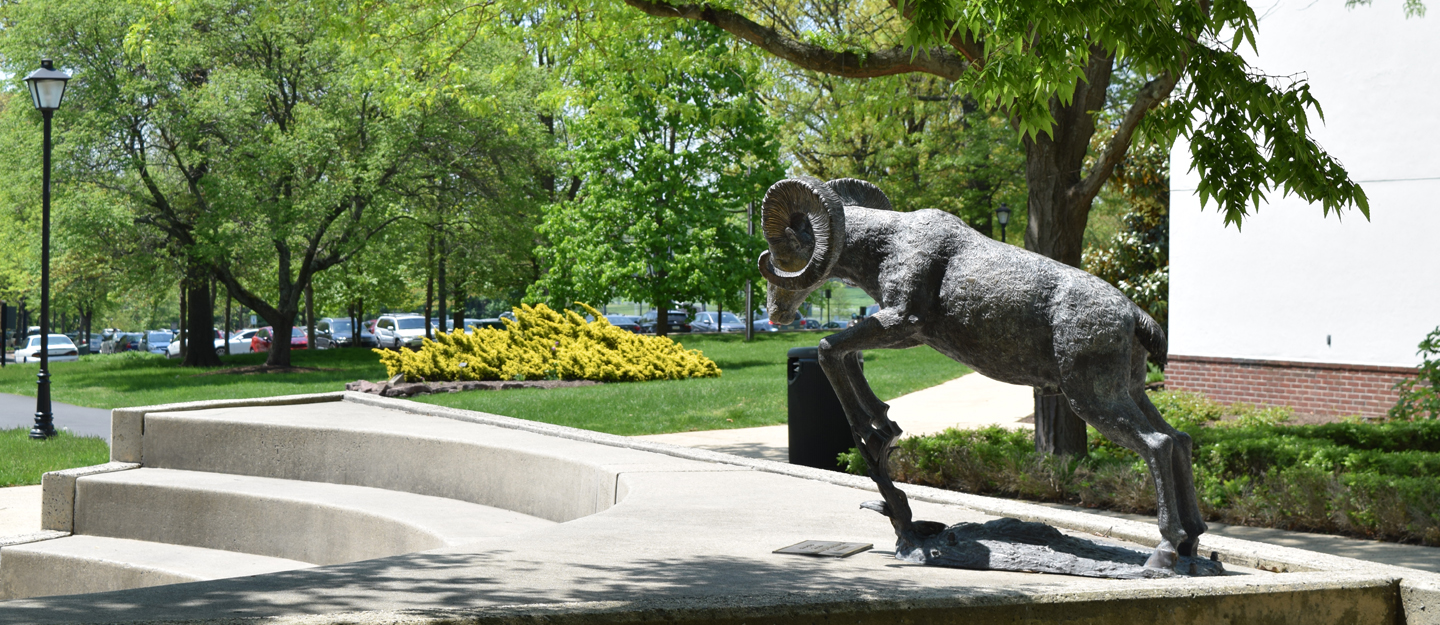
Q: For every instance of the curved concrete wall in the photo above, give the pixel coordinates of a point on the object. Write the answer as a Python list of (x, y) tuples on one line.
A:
[(512, 470)]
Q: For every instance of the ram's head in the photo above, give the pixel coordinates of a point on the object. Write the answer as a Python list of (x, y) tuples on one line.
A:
[(803, 220)]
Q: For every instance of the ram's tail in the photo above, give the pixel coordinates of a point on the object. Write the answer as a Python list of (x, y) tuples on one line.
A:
[(1151, 336)]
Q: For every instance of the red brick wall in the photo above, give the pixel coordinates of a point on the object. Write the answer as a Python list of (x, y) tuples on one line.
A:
[(1311, 388)]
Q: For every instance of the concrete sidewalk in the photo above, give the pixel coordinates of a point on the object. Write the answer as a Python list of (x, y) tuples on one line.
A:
[(19, 510), (970, 401)]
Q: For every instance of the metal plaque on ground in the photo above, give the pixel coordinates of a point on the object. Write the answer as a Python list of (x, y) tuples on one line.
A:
[(826, 548)]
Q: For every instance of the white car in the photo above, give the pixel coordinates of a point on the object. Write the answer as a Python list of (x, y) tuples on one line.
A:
[(396, 331), (61, 349), (240, 340), (173, 349)]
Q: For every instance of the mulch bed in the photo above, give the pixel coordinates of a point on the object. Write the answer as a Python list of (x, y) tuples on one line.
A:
[(254, 369), (395, 388)]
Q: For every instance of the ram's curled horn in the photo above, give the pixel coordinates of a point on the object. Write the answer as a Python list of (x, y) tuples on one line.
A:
[(855, 192), (804, 225)]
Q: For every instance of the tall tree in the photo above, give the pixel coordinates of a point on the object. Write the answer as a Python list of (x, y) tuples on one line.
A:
[(259, 137), (1047, 66), (669, 142)]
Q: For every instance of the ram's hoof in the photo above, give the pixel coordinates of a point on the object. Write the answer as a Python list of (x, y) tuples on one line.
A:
[(1164, 557)]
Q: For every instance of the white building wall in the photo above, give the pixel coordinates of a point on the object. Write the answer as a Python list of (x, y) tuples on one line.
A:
[(1289, 280)]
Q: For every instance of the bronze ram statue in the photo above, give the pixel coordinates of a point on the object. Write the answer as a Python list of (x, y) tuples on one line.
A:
[(1007, 313)]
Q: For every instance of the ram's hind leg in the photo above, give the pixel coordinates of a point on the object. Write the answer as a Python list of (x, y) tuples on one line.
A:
[(1117, 417), (1182, 459), (1184, 468)]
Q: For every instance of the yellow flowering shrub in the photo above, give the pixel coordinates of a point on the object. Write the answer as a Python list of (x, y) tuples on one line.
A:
[(544, 344)]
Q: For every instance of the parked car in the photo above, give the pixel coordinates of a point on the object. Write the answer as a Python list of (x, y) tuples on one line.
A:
[(264, 339), (717, 322), (396, 331), (240, 341), (494, 323), (333, 332), (91, 346), (624, 322), (470, 324), (155, 341), (802, 324), (173, 350), (60, 349), (120, 342), (764, 325), (678, 321)]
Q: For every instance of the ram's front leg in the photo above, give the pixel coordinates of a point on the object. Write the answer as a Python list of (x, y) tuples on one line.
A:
[(870, 424)]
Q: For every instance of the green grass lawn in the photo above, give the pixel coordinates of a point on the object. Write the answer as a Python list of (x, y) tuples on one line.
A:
[(750, 391), (105, 381), (23, 461)]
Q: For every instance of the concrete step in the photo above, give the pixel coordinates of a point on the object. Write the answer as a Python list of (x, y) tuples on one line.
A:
[(312, 522), (349, 443), (81, 564)]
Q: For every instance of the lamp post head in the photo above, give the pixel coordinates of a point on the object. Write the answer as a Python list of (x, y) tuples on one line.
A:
[(1002, 214), (47, 86)]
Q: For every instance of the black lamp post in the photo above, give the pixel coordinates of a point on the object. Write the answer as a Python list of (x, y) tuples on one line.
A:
[(1002, 215), (47, 88)]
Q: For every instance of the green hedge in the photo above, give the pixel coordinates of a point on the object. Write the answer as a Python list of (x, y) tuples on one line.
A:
[(1379, 480)]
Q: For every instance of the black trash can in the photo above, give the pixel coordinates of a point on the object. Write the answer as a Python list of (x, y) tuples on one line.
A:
[(818, 429)]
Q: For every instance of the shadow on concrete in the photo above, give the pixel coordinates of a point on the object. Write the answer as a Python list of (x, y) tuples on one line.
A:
[(759, 451), (449, 581)]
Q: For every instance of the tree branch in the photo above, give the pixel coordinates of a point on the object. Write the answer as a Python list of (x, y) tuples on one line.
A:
[(967, 45), (937, 61), (1150, 95)]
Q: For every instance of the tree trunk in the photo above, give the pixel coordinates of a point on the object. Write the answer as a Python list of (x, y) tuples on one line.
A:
[(84, 330), (310, 316), (662, 320), (228, 329), (184, 287), (440, 294), (1057, 429), (429, 285), (359, 318), (458, 312), (1058, 211), (200, 322), (279, 355)]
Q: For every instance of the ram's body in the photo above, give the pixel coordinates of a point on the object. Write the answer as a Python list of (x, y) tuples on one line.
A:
[(1009, 314)]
